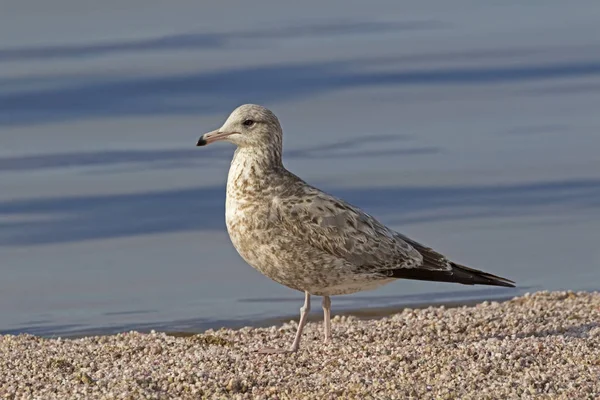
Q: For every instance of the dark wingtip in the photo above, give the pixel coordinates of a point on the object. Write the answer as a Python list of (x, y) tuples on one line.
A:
[(458, 274), (476, 277), (201, 142), (499, 282)]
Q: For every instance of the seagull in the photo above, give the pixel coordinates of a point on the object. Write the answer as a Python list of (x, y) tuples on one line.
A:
[(308, 240)]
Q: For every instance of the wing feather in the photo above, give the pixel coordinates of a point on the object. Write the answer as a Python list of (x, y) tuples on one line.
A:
[(335, 227), (340, 229)]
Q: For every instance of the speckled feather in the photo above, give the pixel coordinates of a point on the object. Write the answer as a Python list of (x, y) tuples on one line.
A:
[(307, 239)]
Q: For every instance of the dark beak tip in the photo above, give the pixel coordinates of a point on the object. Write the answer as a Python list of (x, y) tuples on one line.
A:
[(201, 142)]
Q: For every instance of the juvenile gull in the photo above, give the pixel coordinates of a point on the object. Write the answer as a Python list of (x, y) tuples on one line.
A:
[(308, 240)]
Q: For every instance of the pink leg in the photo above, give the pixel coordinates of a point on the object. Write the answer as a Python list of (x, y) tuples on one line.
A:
[(296, 345), (327, 318)]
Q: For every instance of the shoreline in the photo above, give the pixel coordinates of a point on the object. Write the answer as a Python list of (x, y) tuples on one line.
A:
[(541, 345), (195, 326), (370, 313)]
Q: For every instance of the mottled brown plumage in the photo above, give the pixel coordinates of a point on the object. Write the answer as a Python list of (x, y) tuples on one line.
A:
[(309, 240)]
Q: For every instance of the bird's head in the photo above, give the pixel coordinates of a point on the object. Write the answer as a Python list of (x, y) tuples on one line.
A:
[(249, 125)]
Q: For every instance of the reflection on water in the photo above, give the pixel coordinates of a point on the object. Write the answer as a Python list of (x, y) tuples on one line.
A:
[(79, 218), (477, 138), (212, 92)]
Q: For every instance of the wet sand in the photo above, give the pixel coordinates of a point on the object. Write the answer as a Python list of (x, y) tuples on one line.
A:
[(544, 345)]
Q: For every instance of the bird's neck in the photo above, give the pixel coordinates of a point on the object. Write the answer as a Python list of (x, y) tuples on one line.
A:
[(251, 166)]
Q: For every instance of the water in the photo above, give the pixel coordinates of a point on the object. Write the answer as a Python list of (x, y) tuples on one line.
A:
[(472, 127)]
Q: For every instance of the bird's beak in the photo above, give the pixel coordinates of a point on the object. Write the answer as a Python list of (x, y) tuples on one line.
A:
[(213, 136)]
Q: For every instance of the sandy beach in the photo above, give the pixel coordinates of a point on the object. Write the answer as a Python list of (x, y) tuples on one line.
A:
[(544, 345)]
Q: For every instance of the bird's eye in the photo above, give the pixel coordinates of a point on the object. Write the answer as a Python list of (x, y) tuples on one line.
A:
[(248, 122)]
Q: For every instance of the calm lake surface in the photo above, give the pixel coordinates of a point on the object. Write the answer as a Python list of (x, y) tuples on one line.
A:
[(473, 127)]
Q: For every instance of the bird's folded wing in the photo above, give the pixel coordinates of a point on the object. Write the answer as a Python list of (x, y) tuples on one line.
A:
[(333, 226)]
